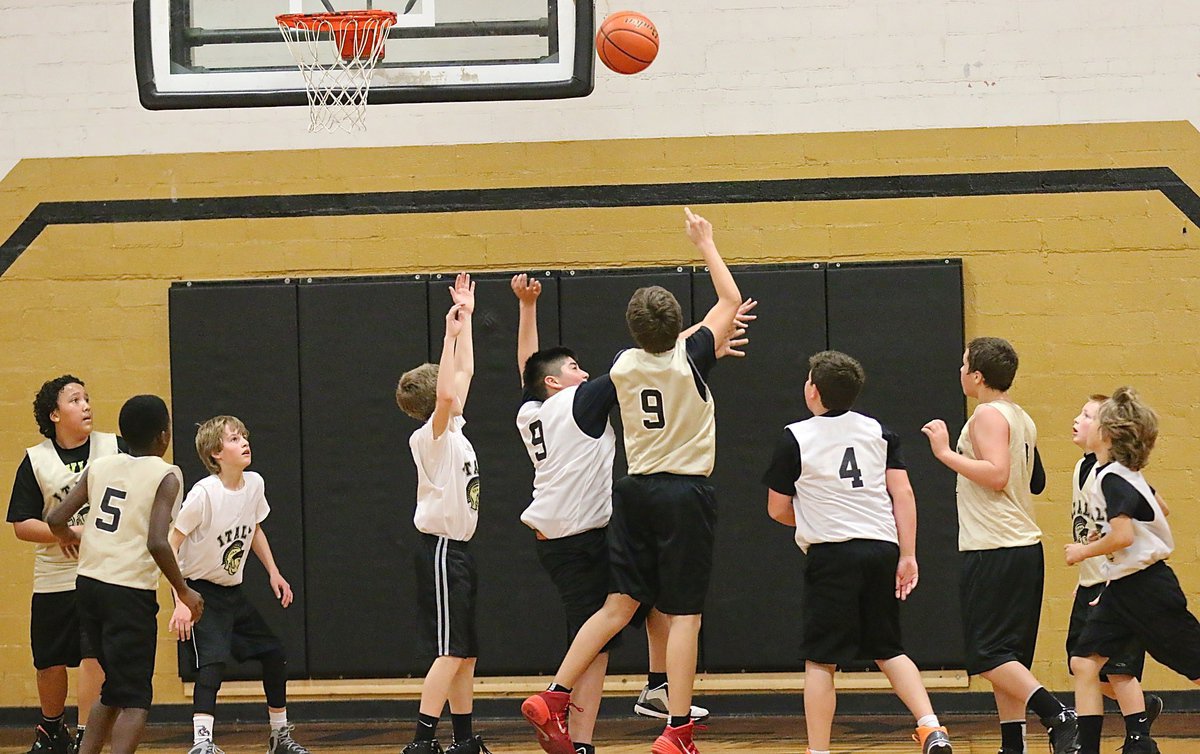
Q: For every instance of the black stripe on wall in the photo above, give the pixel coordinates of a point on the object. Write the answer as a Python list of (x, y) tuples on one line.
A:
[(1161, 179)]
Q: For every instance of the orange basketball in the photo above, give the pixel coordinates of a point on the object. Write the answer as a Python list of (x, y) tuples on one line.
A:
[(627, 42)]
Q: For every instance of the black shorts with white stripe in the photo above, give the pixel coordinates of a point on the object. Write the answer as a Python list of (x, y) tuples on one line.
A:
[(447, 583)]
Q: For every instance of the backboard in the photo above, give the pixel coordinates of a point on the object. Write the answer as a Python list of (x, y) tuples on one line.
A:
[(229, 53)]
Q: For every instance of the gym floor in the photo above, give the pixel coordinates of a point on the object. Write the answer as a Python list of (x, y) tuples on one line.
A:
[(1176, 734)]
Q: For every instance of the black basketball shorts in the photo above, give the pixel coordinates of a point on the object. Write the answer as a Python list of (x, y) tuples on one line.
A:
[(1151, 607), (54, 632), (1001, 593), (230, 630), (660, 540), (1129, 660), (578, 566), (447, 586), (851, 611), (120, 623)]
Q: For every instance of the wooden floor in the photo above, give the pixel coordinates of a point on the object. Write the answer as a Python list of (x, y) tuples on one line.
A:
[(1176, 734)]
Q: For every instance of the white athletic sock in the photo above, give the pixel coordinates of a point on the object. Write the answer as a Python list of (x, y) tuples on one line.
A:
[(278, 719), (814, 751), (929, 721), (202, 728)]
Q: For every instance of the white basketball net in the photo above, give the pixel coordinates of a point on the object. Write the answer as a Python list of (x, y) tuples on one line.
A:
[(337, 58)]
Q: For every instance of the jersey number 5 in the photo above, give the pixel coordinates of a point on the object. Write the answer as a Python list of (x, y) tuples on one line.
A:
[(537, 439), (652, 406), (108, 506), (849, 469)]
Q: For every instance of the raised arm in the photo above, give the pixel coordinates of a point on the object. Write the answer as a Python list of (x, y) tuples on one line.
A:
[(447, 404), (158, 542), (463, 293), (720, 317), (527, 291)]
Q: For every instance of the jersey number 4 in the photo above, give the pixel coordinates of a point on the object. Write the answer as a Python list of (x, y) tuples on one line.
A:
[(849, 469), (108, 506), (537, 439)]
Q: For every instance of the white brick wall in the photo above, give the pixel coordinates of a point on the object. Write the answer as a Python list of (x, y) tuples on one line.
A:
[(726, 66)]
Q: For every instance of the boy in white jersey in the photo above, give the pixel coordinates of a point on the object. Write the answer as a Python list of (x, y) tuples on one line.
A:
[(46, 474), (122, 550), (220, 520), (1088, 521), (1143, 601), (664, 512), (839, 479), (1003, 570), (446, 515), (563, 420)]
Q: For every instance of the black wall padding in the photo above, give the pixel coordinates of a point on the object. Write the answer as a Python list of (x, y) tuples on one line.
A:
[(521, 625), (592, 310), (233, 351), (357, 338), (752, 620), (904, 322)]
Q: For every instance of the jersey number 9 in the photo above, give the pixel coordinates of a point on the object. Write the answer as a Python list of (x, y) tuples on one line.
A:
[(652, 406), (537, 439)]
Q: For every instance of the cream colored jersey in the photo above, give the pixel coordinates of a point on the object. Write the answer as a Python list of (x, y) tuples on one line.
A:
[(121, 492), (666, 407), (53, 571), (219, 525), (991, 519), (1088, 518)]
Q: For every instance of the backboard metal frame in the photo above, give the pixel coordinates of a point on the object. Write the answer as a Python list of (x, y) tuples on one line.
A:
[(163, 39)]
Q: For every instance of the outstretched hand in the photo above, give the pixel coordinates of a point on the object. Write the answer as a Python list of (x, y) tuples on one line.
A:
[(463, 292), (699, 230), (455, 318), (736, 338), (526, 289)]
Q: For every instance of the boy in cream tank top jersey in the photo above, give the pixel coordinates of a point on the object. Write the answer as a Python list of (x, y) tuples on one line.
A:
[(660, 534), (1143, 602), (122, 551), (218, 524), (49, 470), (998, 469), (1088, 522), (564, 422)]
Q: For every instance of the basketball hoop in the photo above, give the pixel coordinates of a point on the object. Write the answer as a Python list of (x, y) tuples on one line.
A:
[(337, 53)]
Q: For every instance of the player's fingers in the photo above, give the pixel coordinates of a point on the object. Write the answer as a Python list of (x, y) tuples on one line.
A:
[(687, 212)]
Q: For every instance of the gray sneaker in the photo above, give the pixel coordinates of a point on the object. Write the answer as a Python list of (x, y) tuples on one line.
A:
[(652, 702), (205, 747), (281, 742)]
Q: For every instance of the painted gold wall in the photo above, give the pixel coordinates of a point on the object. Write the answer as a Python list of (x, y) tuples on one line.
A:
[(1095, 290)]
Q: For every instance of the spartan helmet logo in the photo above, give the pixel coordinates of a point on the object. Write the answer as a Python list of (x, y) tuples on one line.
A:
[(1080, 529), (231, 561), (473, 493)]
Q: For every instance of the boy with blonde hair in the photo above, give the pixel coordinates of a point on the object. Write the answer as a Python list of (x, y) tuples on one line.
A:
[(1143, 601), (664, 511), (220, 520), (446, 515), (1088, 522), (1003, 570), (122, 551), (840, 480)]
